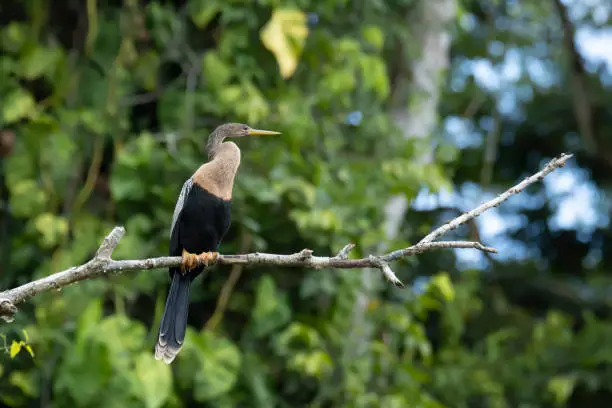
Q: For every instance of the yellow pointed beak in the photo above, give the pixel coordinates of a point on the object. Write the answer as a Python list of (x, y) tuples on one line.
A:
[(258, 132)]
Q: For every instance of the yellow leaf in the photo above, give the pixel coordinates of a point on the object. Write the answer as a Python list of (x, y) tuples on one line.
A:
[(29, 348), (15, 348), (284, 35)]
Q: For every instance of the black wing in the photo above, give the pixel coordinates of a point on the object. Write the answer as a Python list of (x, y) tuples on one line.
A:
[(178, 208)]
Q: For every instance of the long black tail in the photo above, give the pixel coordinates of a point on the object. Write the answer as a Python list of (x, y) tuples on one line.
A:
[(174, 320)]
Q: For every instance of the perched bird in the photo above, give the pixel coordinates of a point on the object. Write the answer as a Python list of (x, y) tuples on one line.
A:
[(200, 221)]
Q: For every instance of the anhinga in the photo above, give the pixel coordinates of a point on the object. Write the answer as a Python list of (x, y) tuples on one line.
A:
[(201, 219)]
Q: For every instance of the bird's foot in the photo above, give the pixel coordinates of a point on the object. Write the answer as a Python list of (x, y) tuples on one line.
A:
[(189, 261), (206, 257)]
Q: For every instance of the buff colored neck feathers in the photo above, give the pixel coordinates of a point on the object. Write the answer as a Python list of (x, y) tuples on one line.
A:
[(217, 176)]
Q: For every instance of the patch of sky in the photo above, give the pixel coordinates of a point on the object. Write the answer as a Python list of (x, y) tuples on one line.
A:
[(576, 201)]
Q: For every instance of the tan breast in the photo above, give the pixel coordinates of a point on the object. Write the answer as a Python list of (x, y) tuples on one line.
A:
[(217, 176)]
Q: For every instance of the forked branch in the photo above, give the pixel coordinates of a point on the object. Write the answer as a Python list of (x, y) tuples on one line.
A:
[(103, 264)]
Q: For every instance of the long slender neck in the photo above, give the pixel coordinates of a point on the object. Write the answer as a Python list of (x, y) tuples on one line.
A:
[(215, 140), (217, 176)]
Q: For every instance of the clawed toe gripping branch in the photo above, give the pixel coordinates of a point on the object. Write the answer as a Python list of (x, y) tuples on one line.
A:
[(103, 264)]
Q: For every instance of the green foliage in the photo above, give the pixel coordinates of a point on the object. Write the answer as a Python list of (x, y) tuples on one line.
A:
[(111, 104), (86, 159), (271, 308), (219, 365)]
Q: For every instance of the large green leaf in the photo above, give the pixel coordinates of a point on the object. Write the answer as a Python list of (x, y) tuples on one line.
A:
[(220, 361), (271, 308), (27, 198), (153, 380), (84, 374), (121, 335), (39, 61)]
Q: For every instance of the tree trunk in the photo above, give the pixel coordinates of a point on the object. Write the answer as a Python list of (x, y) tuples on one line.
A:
[(415, 96)]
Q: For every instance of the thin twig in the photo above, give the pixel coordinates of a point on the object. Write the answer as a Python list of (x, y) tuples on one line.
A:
[(553, 165), (102, 264), (344, 252)]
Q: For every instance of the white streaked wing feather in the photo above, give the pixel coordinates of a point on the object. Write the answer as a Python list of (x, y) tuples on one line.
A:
[(180, 202)]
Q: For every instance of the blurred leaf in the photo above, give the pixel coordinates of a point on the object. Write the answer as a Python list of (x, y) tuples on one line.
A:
[(53, 229), (13, 36), (220, 363), (318, 283), (88, 321), (84, 374), (443, 282), (154, 380), (297, 336), (39, 61), (374, 36), (284, 35), (146, 70), (216, 72), (202, 11), (271, 308), (138, 154), (189, 361), (18, 104), (316, 363), (255, 372), (121, 335), (562, 386), (15, 348), (27, 198), (90, 119), (374, 74), (26, 382)]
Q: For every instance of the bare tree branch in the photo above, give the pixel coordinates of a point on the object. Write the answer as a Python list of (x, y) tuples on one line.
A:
[(102, 263), (553, 165)]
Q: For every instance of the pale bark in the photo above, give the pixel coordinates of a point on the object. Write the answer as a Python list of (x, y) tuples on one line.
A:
[(102, 264)]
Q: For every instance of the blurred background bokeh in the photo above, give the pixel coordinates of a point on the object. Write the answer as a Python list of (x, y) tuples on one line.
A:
[(396, 116)]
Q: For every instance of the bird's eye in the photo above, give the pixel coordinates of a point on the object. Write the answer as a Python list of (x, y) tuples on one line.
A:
[(245, 127)]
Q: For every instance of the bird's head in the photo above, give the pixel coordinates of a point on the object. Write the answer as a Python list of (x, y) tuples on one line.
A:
[(233, 130), (240, 129)]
